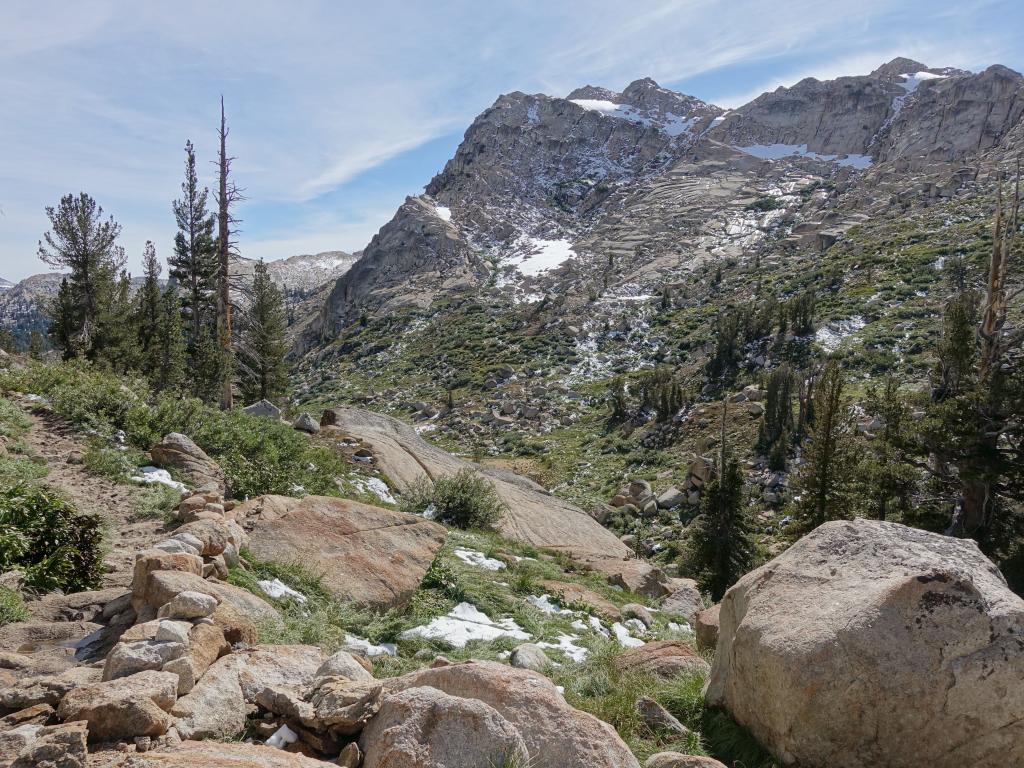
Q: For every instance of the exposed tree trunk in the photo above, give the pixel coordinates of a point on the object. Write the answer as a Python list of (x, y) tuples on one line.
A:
[(224, 264)]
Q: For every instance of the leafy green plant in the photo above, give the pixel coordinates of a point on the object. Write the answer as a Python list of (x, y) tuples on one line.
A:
[(42, 534), (464, 500)]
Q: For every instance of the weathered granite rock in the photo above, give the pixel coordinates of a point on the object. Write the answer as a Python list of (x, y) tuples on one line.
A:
[(124, 708), (869, 643), (555, 734), (372, 556), (177, 451), (424, 727)]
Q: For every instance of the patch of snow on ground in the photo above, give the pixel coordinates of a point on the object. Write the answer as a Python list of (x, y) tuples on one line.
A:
[(539, 256), (832, 335), (779, 151), (567, 645), (465, 623), (149, 475), (624, 638), (443, 212), (376, 486), (358, 644), (277, 589), (282, 737), (545, 604), (479, 559)]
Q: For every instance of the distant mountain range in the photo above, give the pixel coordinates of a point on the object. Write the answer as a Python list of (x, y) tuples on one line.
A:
[(22, 304)]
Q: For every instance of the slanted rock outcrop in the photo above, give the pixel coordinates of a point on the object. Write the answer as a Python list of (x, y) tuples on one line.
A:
[(533, 515), (369, 555), (870, 643)]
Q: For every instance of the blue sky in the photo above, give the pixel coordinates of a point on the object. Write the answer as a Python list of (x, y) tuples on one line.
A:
[(338, 110)]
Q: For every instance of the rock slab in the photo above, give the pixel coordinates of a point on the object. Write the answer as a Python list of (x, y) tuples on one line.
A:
[(369, 555)]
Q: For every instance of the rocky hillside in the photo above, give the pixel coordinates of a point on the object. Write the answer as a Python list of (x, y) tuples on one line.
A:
[(306, 631), (22, 304), (568, 256)]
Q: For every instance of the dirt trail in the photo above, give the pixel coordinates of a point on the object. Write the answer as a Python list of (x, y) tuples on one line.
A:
[(56, 441)]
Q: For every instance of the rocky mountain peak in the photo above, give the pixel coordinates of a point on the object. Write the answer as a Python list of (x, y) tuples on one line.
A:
[(898, 66)]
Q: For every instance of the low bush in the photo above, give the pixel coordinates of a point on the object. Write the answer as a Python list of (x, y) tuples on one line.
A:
[(12, 607), (42, 534), (464, 500)]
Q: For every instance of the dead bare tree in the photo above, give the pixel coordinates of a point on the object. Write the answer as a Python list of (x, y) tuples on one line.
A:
[(994, 342), (228, 194)]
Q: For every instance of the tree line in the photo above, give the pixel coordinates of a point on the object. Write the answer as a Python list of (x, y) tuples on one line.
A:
[(193, 335)]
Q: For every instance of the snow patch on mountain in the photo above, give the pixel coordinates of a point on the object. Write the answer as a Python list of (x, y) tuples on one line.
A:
[(779, 151), (672, 124), (537, 256)]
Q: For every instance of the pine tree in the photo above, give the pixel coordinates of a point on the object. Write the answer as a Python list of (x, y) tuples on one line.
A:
[(65, 320), (36, 345), (777, 424), (148, 308), (824, 482), (168, 371), (886, 483), (263, 373), (194, 263), (116, 341), (205, 367), (721, 547), (85, 244)]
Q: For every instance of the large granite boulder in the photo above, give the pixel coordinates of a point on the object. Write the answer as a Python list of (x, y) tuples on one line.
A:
[(425, 727), (122, 709), (870, 643), (369, 555), (555, 734), (177, 451)]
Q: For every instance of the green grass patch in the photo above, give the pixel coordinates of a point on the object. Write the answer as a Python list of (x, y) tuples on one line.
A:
[(12, 607)]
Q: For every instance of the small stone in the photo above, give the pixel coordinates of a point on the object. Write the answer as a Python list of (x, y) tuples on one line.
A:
[(173, 632), (350, 756), (188, 605), (306, 423), (529, 656), (343, 664), (659, 719), (637, 611)]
